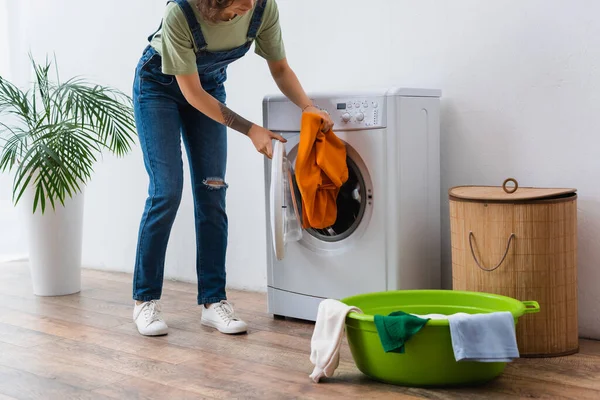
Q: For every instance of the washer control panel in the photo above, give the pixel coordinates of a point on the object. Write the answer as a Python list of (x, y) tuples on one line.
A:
[(355, 112)]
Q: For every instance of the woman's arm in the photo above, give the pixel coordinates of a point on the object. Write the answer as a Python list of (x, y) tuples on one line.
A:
[(195, 95), (288, 83)]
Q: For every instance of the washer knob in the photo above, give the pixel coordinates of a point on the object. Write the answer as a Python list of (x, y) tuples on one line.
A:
[(345, 117), (360, 116)]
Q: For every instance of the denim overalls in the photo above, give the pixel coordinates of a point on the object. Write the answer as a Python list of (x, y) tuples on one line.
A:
[(163, 117)]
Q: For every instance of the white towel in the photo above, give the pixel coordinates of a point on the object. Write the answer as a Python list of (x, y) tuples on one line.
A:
[(432, 316), (327, 337), (488, 337)]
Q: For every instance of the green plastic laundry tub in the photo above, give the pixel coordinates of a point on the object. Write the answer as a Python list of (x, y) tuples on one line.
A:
[(428, 359)]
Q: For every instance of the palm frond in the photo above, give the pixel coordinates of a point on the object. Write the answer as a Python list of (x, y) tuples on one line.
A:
[(42, 83), (61, 159), (103, 109), (61, 129), (14, 101), (13, 146)]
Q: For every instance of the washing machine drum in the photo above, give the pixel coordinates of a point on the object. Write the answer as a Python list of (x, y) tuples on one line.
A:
[(286, 204)]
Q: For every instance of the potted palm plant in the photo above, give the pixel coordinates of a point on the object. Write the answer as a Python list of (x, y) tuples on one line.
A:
[(50, 138)]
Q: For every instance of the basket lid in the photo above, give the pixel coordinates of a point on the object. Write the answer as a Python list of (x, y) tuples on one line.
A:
[(507, 193)]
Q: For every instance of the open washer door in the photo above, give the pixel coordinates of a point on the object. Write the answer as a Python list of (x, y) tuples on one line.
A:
[(285, 219)]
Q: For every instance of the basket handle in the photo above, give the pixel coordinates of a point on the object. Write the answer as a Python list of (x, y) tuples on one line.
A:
[(531, 307), (512, 235)]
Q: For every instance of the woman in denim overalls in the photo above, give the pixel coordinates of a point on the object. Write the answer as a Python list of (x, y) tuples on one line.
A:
[(191, 107)]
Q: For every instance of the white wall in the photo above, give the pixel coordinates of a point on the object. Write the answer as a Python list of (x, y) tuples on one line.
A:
[(12, 238), (521, 88), (4, 49)]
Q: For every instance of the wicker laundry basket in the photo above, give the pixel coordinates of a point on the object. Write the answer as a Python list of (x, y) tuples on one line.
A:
[(521, 243)]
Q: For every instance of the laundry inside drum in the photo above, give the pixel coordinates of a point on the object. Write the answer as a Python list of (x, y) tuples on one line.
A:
[(351, 204)]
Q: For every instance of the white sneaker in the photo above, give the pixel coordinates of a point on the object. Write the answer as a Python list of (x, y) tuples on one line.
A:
[(221, 316), (148, 319)]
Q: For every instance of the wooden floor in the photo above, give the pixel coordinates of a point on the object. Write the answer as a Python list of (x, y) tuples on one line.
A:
[(85, 346)]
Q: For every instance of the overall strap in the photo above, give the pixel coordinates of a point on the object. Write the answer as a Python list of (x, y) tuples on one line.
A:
[(159, 28), (193, 23), (155, 32), (256, 19)]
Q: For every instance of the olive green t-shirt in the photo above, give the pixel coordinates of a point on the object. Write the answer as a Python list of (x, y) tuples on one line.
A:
[(175, 44)]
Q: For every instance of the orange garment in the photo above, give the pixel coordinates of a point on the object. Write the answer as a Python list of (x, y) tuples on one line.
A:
[(321, 170)]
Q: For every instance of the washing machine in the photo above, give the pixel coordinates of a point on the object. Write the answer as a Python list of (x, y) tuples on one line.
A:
[(387, 232)]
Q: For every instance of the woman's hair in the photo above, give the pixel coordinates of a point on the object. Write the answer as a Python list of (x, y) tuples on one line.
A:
[(211, 9)]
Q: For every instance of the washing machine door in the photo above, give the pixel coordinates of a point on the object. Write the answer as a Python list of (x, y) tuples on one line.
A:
[(285, 220)]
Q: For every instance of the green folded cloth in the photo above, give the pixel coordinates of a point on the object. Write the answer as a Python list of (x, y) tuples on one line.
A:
[(396, 329)]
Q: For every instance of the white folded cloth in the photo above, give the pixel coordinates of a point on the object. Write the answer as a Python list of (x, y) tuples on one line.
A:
[(488, 337), (327, 337)]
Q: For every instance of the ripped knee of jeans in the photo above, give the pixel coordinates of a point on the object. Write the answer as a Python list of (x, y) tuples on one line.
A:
[(215, 183)]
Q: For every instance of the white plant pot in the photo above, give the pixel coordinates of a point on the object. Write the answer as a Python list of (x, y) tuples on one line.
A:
[(55, 240)]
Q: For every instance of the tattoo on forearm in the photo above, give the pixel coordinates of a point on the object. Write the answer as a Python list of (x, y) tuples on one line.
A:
[(234, 121)]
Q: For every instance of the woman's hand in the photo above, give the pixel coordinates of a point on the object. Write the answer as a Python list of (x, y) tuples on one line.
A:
[(261, 139), (327, 121)]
